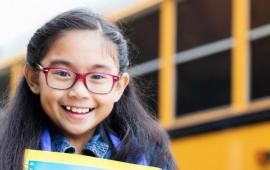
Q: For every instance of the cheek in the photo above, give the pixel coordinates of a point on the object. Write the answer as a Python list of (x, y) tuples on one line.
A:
[(115, 95), (49, 99), (106, 102), (46, 102)]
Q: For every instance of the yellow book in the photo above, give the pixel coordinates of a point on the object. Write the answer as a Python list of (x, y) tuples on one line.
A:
[(43, 160)]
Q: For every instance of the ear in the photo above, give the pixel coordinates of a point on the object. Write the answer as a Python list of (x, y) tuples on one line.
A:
[(121, 86), (32, 78)]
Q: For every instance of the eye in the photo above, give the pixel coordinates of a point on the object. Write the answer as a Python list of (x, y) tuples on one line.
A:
[(97, 76), (61, 73)]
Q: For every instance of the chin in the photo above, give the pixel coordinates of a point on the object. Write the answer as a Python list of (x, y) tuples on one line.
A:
[(78, 131)]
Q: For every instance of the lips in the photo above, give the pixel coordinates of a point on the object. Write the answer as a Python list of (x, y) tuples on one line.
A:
[(78, 110)]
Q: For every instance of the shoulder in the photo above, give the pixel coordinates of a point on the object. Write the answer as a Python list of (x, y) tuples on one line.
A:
[(138, 155), (161, 156)]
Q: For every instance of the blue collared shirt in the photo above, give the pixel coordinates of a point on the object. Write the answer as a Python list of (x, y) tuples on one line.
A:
[(96, 146)]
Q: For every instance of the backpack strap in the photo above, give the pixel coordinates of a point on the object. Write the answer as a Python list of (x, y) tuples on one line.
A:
[(45, 140)]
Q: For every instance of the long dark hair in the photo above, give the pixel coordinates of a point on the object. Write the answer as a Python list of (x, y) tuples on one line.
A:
[(138, 130)]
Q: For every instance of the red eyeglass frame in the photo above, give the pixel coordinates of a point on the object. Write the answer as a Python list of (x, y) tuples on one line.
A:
[(79, 76)]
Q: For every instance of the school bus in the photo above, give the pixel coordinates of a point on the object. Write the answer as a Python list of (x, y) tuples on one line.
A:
[(206, 64)]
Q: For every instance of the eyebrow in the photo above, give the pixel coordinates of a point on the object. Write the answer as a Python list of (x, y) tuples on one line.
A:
[(55, 62), (96, 66)]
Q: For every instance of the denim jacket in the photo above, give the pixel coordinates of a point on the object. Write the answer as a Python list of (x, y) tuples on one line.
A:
[(95, 147)]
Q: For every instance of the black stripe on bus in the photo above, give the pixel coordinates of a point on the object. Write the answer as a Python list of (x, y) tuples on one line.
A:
[(241, 120)]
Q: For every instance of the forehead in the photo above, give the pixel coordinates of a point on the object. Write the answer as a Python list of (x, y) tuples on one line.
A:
[(84, 48)]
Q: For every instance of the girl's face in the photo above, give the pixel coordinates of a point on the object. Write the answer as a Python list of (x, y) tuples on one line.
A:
[(76, 111)]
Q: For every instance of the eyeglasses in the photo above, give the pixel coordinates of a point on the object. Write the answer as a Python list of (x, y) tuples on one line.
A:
[(62, 79)]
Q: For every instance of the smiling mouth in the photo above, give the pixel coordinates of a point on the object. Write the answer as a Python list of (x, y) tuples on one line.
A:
[(78, 110)]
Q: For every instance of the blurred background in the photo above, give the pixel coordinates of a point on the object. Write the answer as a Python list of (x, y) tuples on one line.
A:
[(203, 65)]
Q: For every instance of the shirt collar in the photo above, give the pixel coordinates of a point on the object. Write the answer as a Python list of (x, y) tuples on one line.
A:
[(96, 145)]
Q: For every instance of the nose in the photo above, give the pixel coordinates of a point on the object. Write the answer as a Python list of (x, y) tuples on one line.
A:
[(79, 90)]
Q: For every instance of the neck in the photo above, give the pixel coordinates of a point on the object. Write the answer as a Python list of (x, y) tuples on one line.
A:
[(79, 141)]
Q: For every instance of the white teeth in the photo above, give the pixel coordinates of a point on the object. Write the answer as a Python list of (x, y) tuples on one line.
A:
[(74, 109), (77, 110), (68, 107)]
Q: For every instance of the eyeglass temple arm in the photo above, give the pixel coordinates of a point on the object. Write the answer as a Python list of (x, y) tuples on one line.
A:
[(34, 65), (38, 67)]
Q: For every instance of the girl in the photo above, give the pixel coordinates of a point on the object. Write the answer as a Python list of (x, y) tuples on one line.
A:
[(77, 97)]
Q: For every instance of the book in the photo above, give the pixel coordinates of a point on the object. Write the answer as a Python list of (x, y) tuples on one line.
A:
[(44, 160)]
